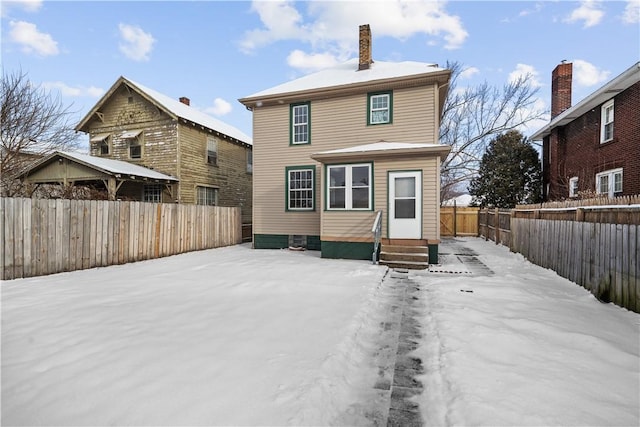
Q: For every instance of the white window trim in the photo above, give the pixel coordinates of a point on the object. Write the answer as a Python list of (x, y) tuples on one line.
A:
[(611, 174), (348, 199), (387, 109), (294, 125), (573, 186), (603, 124), (289, 189)]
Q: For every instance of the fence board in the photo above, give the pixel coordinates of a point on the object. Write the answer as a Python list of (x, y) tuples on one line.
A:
[(601, 257), (49, 236)]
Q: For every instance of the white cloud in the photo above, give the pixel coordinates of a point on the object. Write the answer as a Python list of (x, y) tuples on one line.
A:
[(136, 44), (27, 35), (332, 26), (311, 62), (631, 12), (469, 72), (66, 90), (220, 107), (587, 74), (26, 5), (527, 72), (589, 11)]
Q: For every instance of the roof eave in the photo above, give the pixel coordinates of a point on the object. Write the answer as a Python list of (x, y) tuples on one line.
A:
[(625, 80), (440, 150), (441, 77)]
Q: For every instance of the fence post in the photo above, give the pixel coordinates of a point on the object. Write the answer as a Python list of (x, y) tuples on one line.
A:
[(496, 225), (455, 219)]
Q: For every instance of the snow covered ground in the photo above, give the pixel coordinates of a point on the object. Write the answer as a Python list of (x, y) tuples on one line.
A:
[(235, 336)]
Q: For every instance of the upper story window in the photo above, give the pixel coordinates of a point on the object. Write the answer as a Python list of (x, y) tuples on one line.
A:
[(379, 107), (212, 151), (609, 182), (606, 122), (573, 187), (349, 187), (249, 160), (300, 119), (207, 196), (134, 138), (300, 186), (103, 143), (152, 193)]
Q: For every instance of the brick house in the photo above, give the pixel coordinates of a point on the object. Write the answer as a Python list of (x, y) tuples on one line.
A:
[(593, 146), (211, 160), (349, 148)]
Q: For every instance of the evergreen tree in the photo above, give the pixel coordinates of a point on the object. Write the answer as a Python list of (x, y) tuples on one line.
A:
[(510, 173)]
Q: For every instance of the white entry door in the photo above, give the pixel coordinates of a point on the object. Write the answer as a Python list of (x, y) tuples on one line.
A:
[(405, 205)]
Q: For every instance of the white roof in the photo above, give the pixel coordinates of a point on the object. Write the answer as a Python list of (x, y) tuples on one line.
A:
[(189, 113), (347, 73), (382, 146), (115, 166)]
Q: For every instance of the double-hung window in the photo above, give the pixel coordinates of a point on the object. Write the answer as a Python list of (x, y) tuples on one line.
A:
[(300, 118), (103, 143), (379, 107), (606, 122), (212, 151), (207, 195), (249, 160), (573, 187), (609, 182), (134, 138), (300, 188), (349, 187)]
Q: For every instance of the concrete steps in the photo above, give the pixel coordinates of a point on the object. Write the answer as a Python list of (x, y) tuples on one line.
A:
[(404, 256)]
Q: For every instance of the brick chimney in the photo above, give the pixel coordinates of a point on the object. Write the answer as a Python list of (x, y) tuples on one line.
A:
[(561, 88), (185, 100), (365, 48)]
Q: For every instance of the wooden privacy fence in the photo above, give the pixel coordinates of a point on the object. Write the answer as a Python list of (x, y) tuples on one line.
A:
[(592, 243), (458, 221), (495, 224), (45, 236)]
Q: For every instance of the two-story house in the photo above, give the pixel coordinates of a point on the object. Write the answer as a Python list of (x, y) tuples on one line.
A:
[(335, 148), (211, 160), (593, 147)]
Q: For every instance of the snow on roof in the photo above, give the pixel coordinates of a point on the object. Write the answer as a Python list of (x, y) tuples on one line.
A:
[(189, 113), (461, 200), (382, 146), (115, 166), (347, 73)]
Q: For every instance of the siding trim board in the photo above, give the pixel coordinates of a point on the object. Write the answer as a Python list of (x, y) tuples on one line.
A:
[(346, 250)]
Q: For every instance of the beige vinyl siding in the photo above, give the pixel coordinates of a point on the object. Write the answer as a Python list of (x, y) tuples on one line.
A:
[(356, 226), (335, 123)]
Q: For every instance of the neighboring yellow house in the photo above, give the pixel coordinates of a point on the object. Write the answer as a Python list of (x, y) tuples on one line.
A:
[(211, 160), (334, 148)]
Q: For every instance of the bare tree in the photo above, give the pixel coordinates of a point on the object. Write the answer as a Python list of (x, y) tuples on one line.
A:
[(33, 123), (472, 117)]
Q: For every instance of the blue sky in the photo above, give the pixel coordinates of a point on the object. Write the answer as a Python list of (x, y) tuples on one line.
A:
[(215, 52)]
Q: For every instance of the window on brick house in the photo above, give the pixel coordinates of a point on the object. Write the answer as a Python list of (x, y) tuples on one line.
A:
[(609, 182), (573, 187), (606, 122)]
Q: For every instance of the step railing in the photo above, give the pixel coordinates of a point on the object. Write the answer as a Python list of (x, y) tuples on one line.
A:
[(377, 232)]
